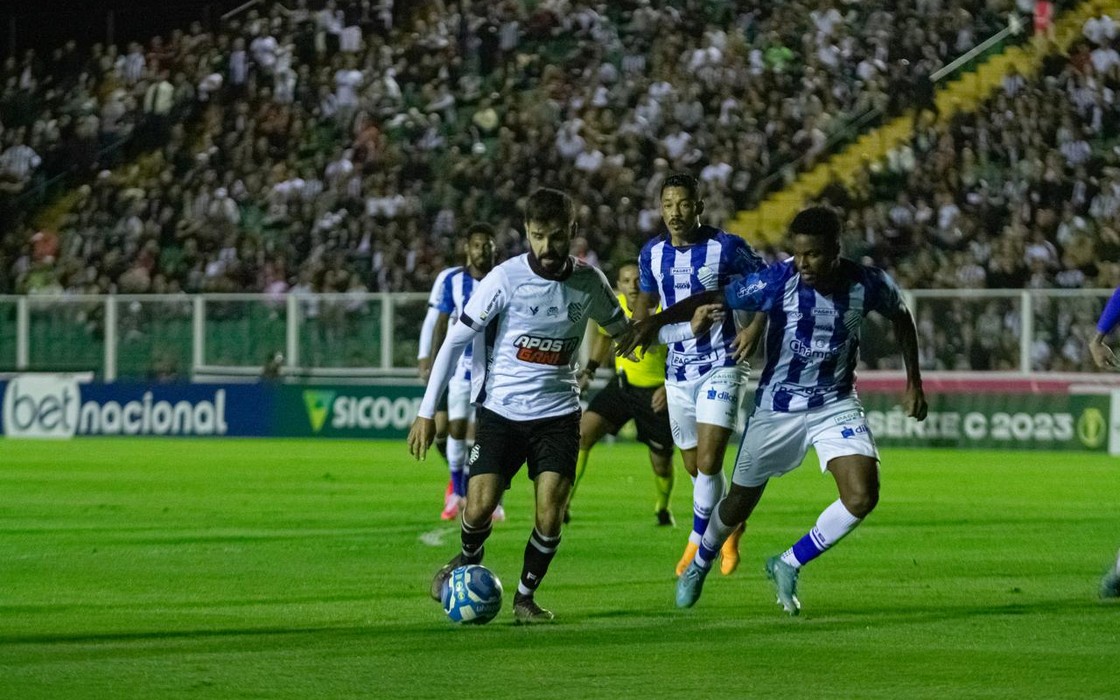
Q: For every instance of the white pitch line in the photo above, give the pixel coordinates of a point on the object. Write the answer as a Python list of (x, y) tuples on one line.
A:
[(435, 538)]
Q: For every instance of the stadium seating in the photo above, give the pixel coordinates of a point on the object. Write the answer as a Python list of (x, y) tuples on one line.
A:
[(424, 145)]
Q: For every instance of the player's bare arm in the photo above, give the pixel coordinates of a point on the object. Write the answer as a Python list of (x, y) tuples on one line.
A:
[(659, 402), (645, 332), (914, 400), (426, 354), (439, 332), (597, 356), (1103, 357), (747, 339)]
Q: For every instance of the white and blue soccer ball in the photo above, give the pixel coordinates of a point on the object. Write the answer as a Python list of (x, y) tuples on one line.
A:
[(472, 595)]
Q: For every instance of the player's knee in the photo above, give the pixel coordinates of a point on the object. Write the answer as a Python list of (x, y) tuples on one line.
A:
[(478, 514), (708, 464), (861, 503), (662, 465), (480, 506)]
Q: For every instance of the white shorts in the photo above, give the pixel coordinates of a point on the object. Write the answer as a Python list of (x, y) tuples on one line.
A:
[(776, 443), (712, 398), (458, 398)]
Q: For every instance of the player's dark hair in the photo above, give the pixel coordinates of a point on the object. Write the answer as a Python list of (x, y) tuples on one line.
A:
[(684, 181), (481, 228), (820, 221), (547, 205)]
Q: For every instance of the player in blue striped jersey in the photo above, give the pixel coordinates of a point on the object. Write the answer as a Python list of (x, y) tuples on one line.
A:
[(424, 355), (452, 298), (702, 381), (815, 304), (1104, 358)]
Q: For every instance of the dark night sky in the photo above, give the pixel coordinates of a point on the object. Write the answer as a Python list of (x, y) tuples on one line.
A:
[(43, 24)]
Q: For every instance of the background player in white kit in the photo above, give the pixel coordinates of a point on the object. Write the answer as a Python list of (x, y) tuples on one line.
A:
[(526, 319), (457, 289), (815, 304), (702, 381)]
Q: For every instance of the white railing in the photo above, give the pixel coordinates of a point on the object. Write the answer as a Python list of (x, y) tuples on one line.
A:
[(363, 336)]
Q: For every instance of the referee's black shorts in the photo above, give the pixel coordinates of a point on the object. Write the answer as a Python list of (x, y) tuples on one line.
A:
[(620, 402), (502, 445)]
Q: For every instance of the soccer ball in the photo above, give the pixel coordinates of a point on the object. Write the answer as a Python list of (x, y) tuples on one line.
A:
[(472, 595)]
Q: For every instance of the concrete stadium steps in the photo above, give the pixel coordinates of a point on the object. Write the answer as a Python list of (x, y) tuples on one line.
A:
[(766, 223)]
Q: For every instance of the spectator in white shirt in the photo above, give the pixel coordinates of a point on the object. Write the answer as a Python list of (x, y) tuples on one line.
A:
[(18, 161), (264, 49)]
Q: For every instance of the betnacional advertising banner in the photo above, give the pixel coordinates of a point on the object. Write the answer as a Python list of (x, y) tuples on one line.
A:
[(59, 406)]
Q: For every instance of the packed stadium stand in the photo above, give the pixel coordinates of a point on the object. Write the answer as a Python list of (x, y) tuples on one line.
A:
[(337, 147)]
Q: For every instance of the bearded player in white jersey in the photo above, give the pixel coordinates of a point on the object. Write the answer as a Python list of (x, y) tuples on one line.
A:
[(702, 381), (815, 304), (526, 320)]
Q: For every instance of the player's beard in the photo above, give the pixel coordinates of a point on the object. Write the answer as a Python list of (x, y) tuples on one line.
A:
[(551, 265)]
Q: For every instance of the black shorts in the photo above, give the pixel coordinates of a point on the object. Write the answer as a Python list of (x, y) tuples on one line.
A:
[(502, 445), (441, 405), (619, 402)]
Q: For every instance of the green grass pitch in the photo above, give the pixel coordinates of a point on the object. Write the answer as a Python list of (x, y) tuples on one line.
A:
[(300, 569)]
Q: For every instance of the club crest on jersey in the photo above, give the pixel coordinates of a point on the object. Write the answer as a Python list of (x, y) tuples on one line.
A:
[(553, 311), (707, 277), (575, 311), (555, 352)]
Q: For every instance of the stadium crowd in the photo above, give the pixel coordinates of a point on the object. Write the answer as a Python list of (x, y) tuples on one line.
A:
[(1022, 193), (336, 148), (340, 145)]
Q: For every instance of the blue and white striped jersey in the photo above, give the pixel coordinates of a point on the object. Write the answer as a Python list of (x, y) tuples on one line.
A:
[(424, 348), (440, 286), (678, 273), (456, 291), (812, 340)]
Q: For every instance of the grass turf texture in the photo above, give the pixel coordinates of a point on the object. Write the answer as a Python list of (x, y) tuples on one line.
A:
[(188, 568)]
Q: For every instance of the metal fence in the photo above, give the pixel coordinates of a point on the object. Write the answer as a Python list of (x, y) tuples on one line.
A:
[(184, 337)]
